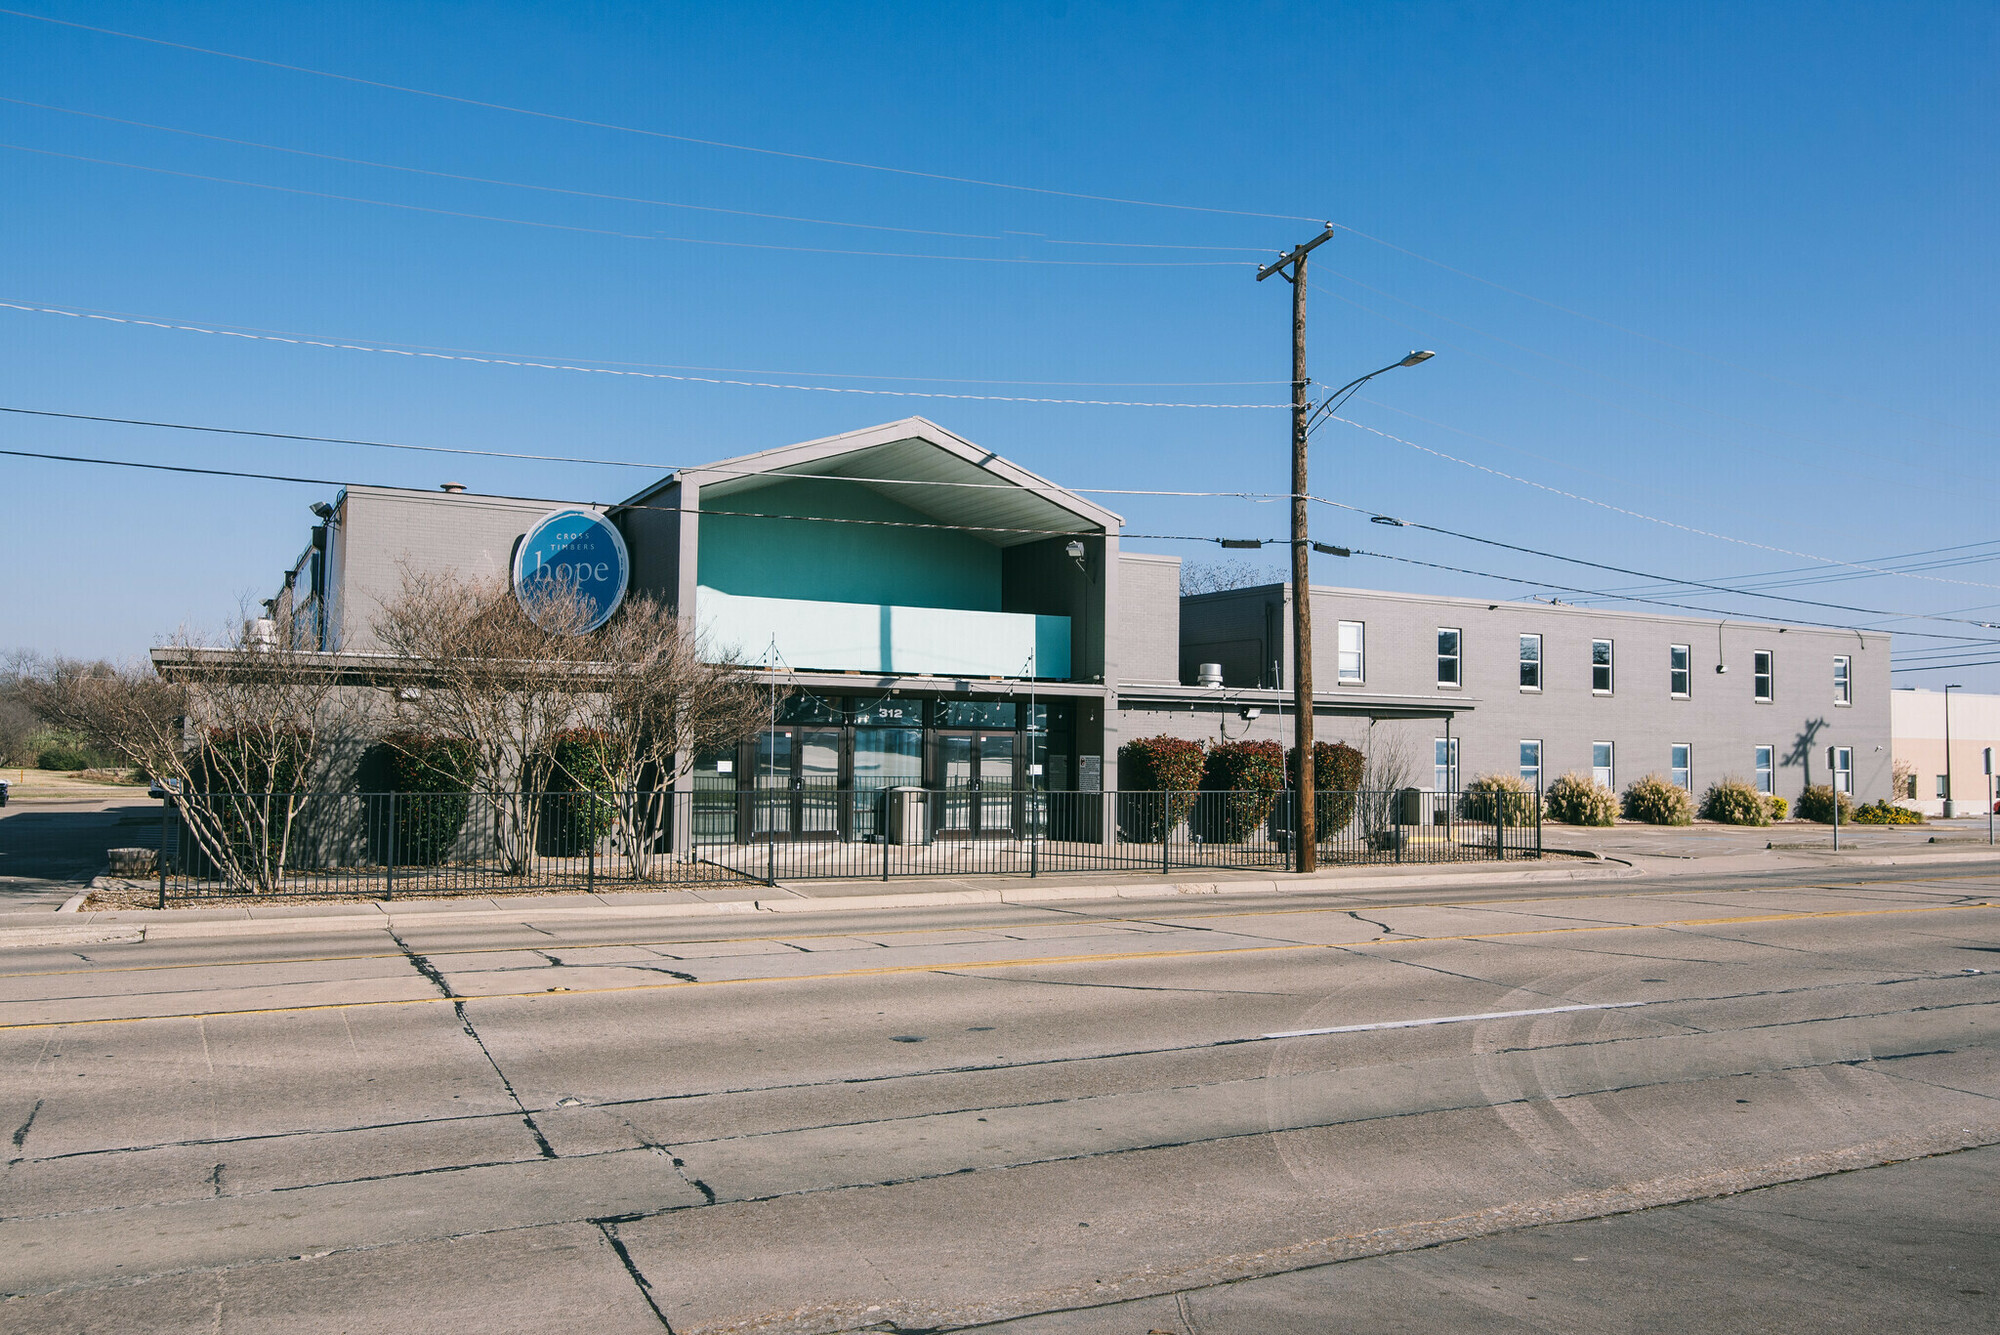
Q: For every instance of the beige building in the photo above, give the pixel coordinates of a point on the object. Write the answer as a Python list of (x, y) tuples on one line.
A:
[(1917, 726)]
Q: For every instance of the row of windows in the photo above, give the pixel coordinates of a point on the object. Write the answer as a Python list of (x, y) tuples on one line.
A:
[(1680, 672), (1604, 767)]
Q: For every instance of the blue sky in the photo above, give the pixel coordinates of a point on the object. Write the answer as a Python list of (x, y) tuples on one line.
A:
[(1713, 284)]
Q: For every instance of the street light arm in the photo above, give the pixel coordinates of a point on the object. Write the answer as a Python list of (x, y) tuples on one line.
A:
[(1339, 396)]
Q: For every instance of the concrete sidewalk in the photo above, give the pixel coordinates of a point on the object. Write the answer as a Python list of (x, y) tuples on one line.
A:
[(1667, 854)]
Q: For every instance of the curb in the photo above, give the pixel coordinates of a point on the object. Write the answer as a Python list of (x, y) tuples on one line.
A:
[(384, 918), (389, 917)]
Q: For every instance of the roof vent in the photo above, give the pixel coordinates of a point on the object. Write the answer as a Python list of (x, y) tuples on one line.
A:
[(1209, 675), (453, 487)]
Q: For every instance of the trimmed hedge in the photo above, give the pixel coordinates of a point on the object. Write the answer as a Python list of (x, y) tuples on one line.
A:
[(1496, 797), (1337, 773), (1163, 764), (1579, 799), (1658, 801), (1734, 802), (1246, 778), (1887, 813), (576, 812), (1816, 803), (431, 777)]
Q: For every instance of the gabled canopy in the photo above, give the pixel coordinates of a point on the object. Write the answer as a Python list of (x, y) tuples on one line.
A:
[(919, 464)]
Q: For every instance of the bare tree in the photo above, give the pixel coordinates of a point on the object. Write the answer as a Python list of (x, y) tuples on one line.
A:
[(1389, 766), (504, 679), (238, 730), (1218, 576), (487, 674), (664, 701)]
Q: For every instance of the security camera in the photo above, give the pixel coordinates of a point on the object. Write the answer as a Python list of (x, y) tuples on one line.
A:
[(1721, 668)]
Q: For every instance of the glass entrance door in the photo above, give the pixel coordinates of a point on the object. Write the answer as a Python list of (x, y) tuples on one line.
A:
[(796, 794), (976, 772)]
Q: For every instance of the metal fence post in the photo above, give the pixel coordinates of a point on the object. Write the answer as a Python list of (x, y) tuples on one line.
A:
[(1167, 832), (1538, 818), (389, 862), (161, 861), (770, 846)]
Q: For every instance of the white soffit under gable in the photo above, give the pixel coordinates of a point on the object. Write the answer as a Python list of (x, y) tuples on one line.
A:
[(910, 454)]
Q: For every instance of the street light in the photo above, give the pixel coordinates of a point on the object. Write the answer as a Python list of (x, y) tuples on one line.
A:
[(1950, 806), (1302, 686)]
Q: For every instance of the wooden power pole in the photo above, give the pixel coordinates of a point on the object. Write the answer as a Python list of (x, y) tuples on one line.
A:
[(1306, 824)]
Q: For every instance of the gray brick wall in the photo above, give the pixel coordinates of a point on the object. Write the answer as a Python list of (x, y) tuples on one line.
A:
[(1146, 622), (1720, 718)]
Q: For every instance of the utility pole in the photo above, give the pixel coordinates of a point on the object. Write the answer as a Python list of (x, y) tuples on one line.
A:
[(1306, 824)]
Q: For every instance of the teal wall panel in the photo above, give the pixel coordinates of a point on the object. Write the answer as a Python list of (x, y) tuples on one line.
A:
[(845, 563)]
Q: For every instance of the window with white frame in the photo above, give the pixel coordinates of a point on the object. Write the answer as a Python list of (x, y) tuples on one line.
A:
[(1680, 674), (1766, 773), (1602, 771), (1531, 662), (1843, 769), (1449, 641), (1531, 763), (1353, 641), (1763, 676), (1682, 765), (1444, 769), (1600, 667), (1843, 679)]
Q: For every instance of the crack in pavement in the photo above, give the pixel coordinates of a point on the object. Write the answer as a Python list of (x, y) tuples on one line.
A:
[(610, 1231), (21, 1131), (437, 979)]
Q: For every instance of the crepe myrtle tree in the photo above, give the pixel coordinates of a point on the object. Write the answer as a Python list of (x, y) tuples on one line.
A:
[(238, 727), (505, 675)]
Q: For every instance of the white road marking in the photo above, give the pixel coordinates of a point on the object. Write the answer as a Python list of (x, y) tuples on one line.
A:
[(1452, 1019)]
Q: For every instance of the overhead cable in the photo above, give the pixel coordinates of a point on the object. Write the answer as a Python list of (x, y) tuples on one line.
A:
[(600, 195), (652, 134), (1651, 519), (628, 236), (614, 371), (525, 502)]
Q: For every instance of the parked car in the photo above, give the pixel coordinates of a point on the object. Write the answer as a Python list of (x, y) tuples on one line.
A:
[(3, 792), (164, 788)]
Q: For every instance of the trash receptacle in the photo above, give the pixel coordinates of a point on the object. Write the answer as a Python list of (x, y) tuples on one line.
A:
[(906, 823)]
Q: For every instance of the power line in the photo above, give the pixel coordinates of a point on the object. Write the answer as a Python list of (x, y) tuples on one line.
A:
[(402, 346), (613, 371), (1042, 489), (653, 134), (595, 194), (625, 236), (1651, 519), (406, 493)]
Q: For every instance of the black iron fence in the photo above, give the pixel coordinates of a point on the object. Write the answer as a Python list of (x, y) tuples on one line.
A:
[(393, 844)]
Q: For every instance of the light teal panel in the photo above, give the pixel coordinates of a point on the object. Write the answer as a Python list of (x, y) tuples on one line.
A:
[(845, 563), (880, 637)]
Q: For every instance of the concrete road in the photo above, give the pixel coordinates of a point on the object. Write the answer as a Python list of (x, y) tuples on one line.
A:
[(1082, 1114)]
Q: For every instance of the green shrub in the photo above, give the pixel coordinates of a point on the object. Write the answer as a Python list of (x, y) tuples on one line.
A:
[(1240, 784), (431, 777), (1734, 802), (1657, 801), (576, 812), (1887, 813), (1816, 803), (1578, 799), (1499, 797), (1777, 806), (1148, 767), (64, 757), (1337, 774)]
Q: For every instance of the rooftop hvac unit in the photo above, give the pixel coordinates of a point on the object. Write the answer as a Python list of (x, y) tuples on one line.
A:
[(1208, 674)]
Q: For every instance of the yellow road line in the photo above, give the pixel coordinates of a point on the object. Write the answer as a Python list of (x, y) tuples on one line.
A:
[(965, 965)]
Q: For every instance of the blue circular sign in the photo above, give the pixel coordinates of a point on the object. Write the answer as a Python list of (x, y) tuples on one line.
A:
[(573, 549)]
